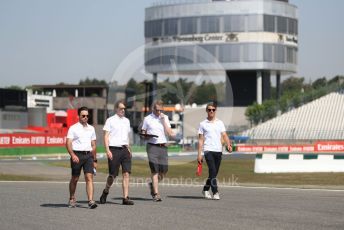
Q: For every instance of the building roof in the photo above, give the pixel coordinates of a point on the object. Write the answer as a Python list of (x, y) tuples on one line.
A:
[(66, 86)]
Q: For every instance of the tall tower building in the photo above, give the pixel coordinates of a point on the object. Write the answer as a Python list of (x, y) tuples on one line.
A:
[(252, 40)]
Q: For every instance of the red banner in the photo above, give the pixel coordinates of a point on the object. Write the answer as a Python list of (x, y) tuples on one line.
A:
[(329, 146), (321, 146), (31, 140)]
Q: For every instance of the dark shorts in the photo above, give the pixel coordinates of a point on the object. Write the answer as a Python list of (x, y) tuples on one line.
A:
[(158, 158), (120, 157), (85, 163)]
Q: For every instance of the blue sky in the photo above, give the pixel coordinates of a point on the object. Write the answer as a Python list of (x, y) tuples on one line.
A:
[(52, 41)]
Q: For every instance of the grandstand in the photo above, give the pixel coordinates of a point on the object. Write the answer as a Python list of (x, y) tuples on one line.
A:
[(321, 119)]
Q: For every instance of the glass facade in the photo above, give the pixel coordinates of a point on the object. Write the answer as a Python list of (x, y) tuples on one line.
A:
[(229, 53), (153, 28), (225, 53), (279, 53), (210, 24), (188, 25), (206, 53), (185, 54), (269, 23), (267, 53), (255, 23), (170, 27), (234, 23), (281, 25), (219, 24), (253, 52)]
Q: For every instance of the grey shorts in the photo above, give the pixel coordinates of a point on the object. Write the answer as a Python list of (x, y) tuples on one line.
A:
[(85, 163), (120, 157), (158, 158)]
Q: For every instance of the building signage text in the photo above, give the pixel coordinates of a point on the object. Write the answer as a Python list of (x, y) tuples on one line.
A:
[(21, 140), (331, 146)]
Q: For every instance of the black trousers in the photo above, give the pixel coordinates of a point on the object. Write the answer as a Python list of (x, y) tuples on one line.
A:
[(213, 161)]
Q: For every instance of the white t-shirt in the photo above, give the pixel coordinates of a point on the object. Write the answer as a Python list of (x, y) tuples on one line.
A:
[(212, 134), (81, 136), (153, 125), (119, 129)]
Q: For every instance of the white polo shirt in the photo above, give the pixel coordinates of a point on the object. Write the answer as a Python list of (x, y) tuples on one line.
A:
[(81, 136), (153, 125), (119, 129), (212, 134)]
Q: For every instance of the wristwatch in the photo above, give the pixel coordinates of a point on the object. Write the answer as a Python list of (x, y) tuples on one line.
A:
[(95, 160)]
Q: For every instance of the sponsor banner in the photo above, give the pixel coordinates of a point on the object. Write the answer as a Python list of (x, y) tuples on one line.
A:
[(275, 148), (329, 146), (31, 140)]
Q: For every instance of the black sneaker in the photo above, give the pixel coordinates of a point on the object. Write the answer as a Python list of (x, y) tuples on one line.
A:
[(150, 184), (127, 201), (156, 198), (92, 204), (102, 198)]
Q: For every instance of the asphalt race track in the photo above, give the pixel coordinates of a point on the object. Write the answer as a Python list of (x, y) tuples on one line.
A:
[(43, 205)]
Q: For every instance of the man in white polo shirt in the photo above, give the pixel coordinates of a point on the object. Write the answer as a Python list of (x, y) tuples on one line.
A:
[(81, 146), (210, 133), (157, 124), (116, 141)]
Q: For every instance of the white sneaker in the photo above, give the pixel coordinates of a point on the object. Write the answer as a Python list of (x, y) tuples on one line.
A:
[(216, 196), (206, 194)]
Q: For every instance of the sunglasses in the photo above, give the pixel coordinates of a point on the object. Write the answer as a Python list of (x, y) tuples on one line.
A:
[(84, 116), (211, 110), (159, 110)]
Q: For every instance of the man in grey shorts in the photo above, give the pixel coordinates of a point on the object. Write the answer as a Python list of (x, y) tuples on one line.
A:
[(116, 140), (157, 124)]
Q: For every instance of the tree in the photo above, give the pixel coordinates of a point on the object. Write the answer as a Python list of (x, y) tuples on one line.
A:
[(204, 93), (16, 87), (269, 110), (138, 88), (180, 91), (319, 83), (283, 103), (93, 81), (292, 84), (337, 79), (254, 113)]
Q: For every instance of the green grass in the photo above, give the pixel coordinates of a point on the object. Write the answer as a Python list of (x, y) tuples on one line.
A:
[(232, 171), (25, 151), (10, 177)]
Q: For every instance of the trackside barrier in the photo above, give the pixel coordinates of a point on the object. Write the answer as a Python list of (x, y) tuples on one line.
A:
[(299, 162)]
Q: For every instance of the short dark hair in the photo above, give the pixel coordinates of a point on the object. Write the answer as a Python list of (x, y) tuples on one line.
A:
[(120, 102), (212, 104), (83, 108)]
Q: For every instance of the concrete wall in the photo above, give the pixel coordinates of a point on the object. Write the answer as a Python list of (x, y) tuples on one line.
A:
[(64, 103), (37, 117), (13, 119)]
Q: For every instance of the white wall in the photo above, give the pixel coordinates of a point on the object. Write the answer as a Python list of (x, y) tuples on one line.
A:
[(297, 163)]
